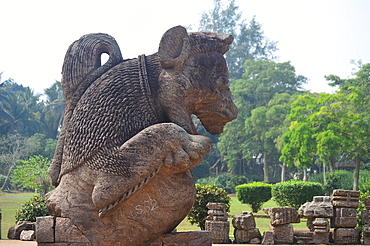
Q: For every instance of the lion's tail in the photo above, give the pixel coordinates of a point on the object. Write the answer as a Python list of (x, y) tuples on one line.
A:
[(81, 67)]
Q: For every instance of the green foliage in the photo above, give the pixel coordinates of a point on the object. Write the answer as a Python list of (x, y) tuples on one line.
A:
[(206, 194), (339, 179), (33, 174), (361, 207), (225, 181), (255, 194), (294, 193), (2, 179), (32, 209)]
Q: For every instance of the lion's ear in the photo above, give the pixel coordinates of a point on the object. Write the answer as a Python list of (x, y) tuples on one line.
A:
[(174, 48)]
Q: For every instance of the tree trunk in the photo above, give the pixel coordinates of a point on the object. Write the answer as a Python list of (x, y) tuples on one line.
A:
[(356, 174), (265, 169), (283, 167), (7, 177), (324, 172), (304, 174)]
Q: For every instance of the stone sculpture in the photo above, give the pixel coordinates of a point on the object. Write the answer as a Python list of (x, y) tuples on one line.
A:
[(123, 159)]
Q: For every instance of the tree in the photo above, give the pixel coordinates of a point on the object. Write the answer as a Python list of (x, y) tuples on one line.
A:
[(262, 97), (249, 43), (53, 112), (33, 174), (12, 149)]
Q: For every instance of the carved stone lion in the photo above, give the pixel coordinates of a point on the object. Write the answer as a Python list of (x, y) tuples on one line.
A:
[(122, 167)]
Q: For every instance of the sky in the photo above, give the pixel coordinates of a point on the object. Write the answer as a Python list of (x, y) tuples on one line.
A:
[(318, 37)]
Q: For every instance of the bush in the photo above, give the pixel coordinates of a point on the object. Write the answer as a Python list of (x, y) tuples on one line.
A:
[(255, 194), (205, 194), (35, 207), (225, 181), (361, 207), (339, 179), (294, 193)]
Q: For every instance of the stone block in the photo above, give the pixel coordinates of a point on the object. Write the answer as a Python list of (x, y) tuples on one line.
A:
[(191, 238), (365, 216), (255, 240), (268, 238), (321, 238), (344, 218), (27, 235), (347, 236), (367, 202), (244, 221), (244, 236), (45, 229), (366, 234), (345, 198), (282, 215), (283, 234), (219, 231), (67, 232), (320, 207), (304, 237), (15, 231)]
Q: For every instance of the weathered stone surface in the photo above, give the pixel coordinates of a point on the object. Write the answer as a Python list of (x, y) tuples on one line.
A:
[(344, 218), (15, 231), (245, 236), (283, 234), (244, 221), (321, 225), (366, 234), (123, 176), (219, 231), (347, 236), (282, 215), (27, 235), (304, 237), (320, 207), (365, 216), (67, 232), (367, 202), (321, 238), (192, 238), (255, 240), (345, 198), (268, 238), (45, 229), (216, 211)]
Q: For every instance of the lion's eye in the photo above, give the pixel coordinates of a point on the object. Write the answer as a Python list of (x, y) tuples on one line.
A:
[(222, 82)]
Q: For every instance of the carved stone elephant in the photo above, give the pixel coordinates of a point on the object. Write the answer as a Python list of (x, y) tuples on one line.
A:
[(122, 167)]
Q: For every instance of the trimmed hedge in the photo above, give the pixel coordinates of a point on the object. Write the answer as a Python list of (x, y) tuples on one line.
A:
[(294, 193), (255, 194)]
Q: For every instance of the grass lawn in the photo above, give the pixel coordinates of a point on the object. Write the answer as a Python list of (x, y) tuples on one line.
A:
[(9, 203), (236, 208)]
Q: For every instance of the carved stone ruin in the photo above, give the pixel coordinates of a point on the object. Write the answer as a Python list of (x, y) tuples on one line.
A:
[(344, 220), (317, 213), (245, 230), (280, 219), (365, 216), (217, 223), (122, 167)]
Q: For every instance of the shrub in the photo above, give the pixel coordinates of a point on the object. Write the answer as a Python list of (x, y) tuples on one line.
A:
[(205, 194), (361, 207), (255, 194), (35, 207), (294, 193), (339, 179), (226, 181)]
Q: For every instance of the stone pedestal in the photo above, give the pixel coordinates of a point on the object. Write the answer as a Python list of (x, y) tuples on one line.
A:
[(304, 237), (283, 234), (344, 218), (217, 223)]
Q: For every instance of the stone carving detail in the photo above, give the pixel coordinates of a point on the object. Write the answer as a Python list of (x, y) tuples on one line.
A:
[(345, 198), (123, 162), (245, 228), (280, 219), (217, 223)]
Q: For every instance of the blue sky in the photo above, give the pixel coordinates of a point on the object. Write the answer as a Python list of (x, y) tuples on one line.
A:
[(319, 37)]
